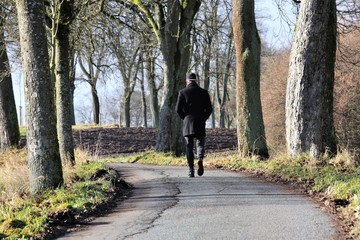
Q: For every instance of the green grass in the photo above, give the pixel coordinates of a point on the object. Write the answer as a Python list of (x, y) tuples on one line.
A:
[(22, 131), (23, 217), (150, 157), (85, 126)]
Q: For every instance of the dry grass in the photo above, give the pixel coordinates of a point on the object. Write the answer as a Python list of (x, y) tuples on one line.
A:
[(24, 216), (14, 175)]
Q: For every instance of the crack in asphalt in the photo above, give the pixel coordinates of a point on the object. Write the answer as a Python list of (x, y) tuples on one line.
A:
[(173, 201), (221, 190)]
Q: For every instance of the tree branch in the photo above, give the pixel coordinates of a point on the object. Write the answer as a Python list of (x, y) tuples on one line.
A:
[(149, 16)]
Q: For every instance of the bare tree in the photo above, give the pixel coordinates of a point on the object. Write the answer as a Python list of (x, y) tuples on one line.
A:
[(129, 31), (129, 76), (153, 88), (9, 126), (61, 15), (43, 149), (213, 54), (225, 76), (72, 80), (171, 23), (90, 60), (206, 30), (309, 97), (88, 48), (125, 44), (250, 124), (143, 94)]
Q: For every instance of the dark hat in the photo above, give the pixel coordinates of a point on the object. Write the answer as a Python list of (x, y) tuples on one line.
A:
[(191, 76)]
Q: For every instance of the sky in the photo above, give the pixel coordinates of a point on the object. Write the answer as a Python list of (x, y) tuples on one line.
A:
[(275, 26), (277, 21)]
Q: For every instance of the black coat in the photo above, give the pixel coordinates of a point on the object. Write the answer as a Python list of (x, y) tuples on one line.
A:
[(194, 107)]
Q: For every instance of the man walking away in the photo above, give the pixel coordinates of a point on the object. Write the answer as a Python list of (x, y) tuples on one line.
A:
[(194, 108)]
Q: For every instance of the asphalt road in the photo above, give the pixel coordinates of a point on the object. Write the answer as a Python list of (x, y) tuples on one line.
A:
[(166, 204)]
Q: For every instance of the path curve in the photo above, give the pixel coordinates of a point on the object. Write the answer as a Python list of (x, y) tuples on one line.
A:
[(166, 204)]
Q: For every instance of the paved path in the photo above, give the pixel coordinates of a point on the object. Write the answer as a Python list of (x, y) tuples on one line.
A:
[(166, 204)]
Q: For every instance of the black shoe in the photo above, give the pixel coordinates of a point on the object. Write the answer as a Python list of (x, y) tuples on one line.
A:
[(191, 173), (201, 168)]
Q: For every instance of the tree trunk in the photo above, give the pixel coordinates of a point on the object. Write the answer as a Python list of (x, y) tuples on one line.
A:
[(217, 79), (226, 74), (72, 83), (225, 94), (96, 104), (129, 70), (127, 99), (9, 126), (93, 60), (63, 85), (150, 76), (250, 124), (45, 170), (143, 95), (213, 114), (129, 90), (309, 100), (217, 90), (175, 48), (207, 62)]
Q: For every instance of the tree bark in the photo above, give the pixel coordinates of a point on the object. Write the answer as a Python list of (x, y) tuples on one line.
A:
[(143, 95), (309, 98), (45, 170), (9, 126), (250, 124), (127, 116), (171, 24), (129, 73), (175, 30), (72, 83), (213, 114), (150, 76), (226, 73), (95, 103), (64, 84)]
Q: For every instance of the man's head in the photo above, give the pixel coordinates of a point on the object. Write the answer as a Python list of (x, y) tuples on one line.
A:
[(190, 77)]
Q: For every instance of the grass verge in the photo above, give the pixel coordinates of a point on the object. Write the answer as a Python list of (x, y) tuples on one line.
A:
[(89, 186)]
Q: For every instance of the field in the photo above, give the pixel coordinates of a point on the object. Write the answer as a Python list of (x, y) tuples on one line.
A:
[(120, 141)]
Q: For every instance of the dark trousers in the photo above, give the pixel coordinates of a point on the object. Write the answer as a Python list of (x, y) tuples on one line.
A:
[(200, 149)]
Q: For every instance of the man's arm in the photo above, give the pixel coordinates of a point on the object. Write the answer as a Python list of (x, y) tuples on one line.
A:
[(179, 108), (208, 106)]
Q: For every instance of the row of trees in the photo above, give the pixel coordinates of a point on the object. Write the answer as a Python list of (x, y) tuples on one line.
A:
[(132, 37)]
